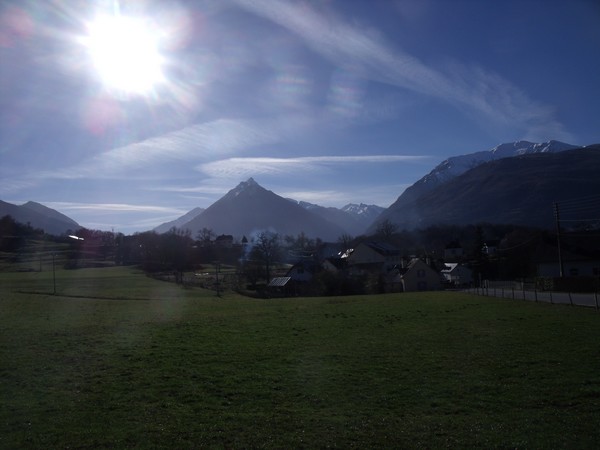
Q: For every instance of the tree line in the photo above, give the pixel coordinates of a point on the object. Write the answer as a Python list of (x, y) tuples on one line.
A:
[(518, 248)]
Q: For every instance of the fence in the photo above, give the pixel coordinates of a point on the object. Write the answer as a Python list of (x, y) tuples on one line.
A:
[(519, 291)]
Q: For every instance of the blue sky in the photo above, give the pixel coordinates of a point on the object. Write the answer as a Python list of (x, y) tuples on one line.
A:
[(327, 101)]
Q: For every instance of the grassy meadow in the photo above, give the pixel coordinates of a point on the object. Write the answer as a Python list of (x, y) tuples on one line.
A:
[(119, 360)]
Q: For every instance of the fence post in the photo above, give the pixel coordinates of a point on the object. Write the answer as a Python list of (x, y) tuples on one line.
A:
[(524, 298), (570, 298), (596, 298), (535, 292), (551, 302)]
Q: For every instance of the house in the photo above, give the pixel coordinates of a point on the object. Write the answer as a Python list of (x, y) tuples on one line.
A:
[(224, 240), (304, 270), (334, 264), (373, 255), (577, 267), (281, 286), (573, 264), (417, 276), (457, 274)]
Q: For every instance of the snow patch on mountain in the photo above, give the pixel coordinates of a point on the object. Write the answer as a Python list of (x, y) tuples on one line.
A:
[(363, 210), (457, 165), (249, 186)]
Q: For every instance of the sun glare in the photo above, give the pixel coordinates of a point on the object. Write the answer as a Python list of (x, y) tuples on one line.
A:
[(125, 54)]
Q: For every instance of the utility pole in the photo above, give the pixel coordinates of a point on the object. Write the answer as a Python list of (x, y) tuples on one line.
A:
[(53, 275), (217, 278), (560, 261)]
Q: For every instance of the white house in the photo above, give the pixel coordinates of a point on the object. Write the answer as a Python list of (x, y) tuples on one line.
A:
[(457, 274)]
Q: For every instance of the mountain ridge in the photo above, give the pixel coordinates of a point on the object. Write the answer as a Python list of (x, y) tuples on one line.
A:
[(39, 216), (517, 190), (249, 208), (257, 208)]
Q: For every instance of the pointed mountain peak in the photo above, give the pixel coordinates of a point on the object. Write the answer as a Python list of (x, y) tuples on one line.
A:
[(249, 186), (249, 183)]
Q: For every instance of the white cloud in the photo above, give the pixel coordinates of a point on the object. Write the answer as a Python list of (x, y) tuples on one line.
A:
[(112, 207), (191, 144), (246, 167), (366, 53)]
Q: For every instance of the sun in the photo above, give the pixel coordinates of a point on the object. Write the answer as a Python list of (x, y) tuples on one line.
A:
[(125, 54)]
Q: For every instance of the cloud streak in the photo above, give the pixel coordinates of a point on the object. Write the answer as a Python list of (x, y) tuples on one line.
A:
[(113, 207), (367, 53), (191, 144), (242, 167)]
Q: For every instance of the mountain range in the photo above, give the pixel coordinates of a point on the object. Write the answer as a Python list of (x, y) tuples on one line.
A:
[(250, 208), (39, 216), (518, 189), (457, 165), (512, 183)]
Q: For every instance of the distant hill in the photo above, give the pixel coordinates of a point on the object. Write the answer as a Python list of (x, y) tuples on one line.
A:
[(180, 222), (353, 218), (39, 216), (249, 208), (516, 190)]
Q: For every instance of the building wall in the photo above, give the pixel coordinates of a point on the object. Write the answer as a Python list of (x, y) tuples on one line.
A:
[(460, 275), (421, 277), (570, 269)]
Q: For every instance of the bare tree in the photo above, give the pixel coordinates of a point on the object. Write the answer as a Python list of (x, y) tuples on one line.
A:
[(205, 235), (266, 249), (386, 229)]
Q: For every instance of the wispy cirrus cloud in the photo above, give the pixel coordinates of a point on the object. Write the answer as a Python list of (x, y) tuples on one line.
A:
[(242, 167), (372, 57), (195, 143), (122, 217), (112, 207)]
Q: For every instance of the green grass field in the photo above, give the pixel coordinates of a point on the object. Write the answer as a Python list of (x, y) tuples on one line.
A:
[(119, 360)]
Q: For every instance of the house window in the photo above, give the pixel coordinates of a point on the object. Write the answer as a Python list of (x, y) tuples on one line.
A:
[(420, 273)]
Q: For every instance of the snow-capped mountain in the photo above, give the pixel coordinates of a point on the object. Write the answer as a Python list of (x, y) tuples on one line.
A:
[(457, 165), (353, 218), (367, 213), (511, 190)]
